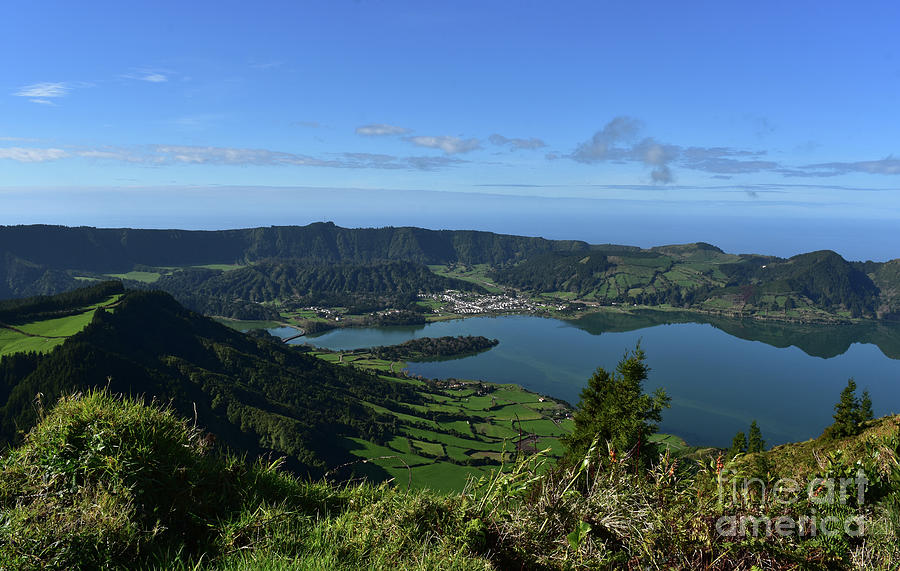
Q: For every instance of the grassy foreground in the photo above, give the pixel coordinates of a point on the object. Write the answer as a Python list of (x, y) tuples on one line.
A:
[(105, 482)]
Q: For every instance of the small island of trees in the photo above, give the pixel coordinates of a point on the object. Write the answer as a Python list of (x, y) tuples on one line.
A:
[(425, 348)]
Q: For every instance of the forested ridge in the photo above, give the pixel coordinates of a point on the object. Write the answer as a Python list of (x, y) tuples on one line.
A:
[(245, 292), (322, 258), (254, 394), (109, 249)]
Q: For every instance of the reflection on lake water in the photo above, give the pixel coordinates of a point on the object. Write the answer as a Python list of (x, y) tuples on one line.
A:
[(720, 373)]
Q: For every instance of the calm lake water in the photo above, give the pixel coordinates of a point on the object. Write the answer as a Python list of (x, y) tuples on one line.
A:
[(721, 374)]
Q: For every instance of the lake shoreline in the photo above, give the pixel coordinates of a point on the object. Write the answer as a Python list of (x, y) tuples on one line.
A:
[(754, 369)]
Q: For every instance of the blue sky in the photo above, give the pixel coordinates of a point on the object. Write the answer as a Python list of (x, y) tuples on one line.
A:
[(755, 125)]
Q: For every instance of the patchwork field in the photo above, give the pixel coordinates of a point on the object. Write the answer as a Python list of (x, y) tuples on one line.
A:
[(459, 429)]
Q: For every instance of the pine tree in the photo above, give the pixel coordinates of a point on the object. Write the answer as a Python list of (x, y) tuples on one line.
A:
[(615, 410), (755, 442), (847, 412), (865, 407), (738, 445)]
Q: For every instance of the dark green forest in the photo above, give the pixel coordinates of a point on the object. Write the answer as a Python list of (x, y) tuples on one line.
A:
[(424, 348), (255, 394), (368, 286), (109, 249)]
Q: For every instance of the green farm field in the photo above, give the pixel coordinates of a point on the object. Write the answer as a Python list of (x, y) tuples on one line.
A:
[(457, 430), (43, 335), (138, 276)]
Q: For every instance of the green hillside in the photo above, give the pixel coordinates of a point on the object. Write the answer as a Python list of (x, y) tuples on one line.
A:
[(887, 278), (237, 273), (39, 324), (22, 278), (258, 395), (700, 276), (104, 481), (245, 292)]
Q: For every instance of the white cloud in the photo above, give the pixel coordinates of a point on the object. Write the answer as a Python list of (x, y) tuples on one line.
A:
[(516, 144), (889, 165), (162, 155), (154, 78), (149, 75), (42, 92), (232, 156), (617, 142), (32, 155), (450, 145), (381, 129)]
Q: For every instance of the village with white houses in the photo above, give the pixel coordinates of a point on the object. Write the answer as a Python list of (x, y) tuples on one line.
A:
[(466, 303)]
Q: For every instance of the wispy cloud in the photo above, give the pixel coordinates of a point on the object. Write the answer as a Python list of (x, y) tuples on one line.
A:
[(154, 78), (889, 165), (149, 75), (450, 145), (44, 93), (32, 155), (379, 161), (266, 64), (44, 90), (516, 144), (381, 129), (198, 122), (231, 156), (431, 163), (163, 155)]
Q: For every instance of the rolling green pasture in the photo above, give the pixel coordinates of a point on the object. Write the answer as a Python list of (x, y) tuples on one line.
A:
[(138, 276), (61, 327), (42, 336), (13, 342)]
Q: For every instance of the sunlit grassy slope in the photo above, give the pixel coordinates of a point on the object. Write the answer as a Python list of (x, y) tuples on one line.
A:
[(45, 334)]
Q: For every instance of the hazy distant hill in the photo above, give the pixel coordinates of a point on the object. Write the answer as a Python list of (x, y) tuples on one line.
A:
[(20, 277)]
